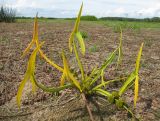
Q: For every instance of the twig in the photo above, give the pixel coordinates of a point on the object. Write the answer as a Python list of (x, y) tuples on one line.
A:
[(16, 115), (87, 106)]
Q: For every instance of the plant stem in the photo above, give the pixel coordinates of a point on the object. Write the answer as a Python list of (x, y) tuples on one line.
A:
[(78, 60), (87, 106)]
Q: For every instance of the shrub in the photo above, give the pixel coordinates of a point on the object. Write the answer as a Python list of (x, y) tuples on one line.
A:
[(7, 14), (85, 84), (89, 18)]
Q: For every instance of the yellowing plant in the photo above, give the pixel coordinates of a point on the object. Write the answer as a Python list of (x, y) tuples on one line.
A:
[(86, 84)]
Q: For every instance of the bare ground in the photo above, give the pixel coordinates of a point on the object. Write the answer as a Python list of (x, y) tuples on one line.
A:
[(42, 106)]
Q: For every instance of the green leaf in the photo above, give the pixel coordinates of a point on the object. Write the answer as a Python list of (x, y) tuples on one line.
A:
[(93, 72), (50, 89), (81, 42), (103, 92), (108, 61), (106, 83), (129, 80), (79, 61), (102, 78)]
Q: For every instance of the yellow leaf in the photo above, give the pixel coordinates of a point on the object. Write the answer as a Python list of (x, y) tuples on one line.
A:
[(33, 85), (76, 82), (28, 74), (71, 38), (79, 61), (68, 74), (62, 79), (35, 31), (136, 90), (75, 30), (49, 61), (139, 58), (35, 37), (65, 64), (78, 19), (20, 89), (31, 63), (81, 42), (27, 49), (137, 76), (120, 49)]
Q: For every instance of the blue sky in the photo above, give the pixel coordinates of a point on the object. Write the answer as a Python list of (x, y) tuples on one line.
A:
[(99, 8)]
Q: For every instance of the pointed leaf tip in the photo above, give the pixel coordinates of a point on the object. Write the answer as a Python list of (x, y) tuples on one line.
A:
[(78, 19), (139, 58)]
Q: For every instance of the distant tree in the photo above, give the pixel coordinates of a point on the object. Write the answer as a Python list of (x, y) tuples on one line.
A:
[(7, 14)]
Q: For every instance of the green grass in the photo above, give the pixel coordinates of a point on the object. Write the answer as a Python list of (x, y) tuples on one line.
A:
[(135, 24), (109, 23)]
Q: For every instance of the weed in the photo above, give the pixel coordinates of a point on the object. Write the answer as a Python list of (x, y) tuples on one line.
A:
[(84, 34), (148, 42), (85, 84), (93, 48)]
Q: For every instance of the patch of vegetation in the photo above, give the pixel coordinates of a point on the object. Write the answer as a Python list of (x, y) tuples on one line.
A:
[(7, 14), (84, 34), (86, 85), (148, 42), (125, 25), (154, 19), (138, 24), (85, 18), (93, 48), (89, 18)]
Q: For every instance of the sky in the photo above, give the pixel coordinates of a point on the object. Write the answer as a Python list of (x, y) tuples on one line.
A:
[(99, 8)]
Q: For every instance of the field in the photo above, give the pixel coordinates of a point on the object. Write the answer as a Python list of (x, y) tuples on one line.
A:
[(102, 37)]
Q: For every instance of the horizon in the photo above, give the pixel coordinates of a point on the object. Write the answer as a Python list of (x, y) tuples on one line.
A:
[(99, 8)]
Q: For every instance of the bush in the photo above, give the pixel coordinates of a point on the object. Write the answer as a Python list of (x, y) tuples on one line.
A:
[(89, 18), (7, 14)]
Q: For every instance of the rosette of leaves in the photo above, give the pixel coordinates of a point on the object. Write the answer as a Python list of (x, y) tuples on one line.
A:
[(85, 84)]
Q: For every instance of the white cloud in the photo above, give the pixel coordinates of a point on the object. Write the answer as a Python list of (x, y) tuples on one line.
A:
[(69, 8), (151, 11)]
